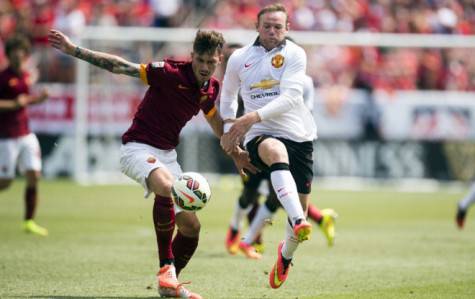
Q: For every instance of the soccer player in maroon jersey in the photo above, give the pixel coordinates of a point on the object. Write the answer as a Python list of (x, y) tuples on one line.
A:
[(177, 91), (17, 144)]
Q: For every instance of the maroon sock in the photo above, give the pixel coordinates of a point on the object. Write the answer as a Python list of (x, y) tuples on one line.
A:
[(164, 220), (314, 213), (31, 200), (183, 249)]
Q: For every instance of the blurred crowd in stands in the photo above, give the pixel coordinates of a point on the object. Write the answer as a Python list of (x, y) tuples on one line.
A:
[(369, 67), (360, 67)]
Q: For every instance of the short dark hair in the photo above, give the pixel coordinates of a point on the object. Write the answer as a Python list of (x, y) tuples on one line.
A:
[(17, 42), (273, 8), (227, 50), (208, 42), (234, 45)]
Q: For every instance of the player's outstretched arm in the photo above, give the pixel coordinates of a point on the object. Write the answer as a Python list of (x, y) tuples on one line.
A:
[(216, 124), (23, 100), (112, 63)]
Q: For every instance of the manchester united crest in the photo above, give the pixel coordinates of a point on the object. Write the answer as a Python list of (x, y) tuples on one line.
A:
[(277, 61)]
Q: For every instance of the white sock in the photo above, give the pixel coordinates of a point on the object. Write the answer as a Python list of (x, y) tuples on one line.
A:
[(257, 224), (238, 214), (469, 199), (286, 190), (291, 242)]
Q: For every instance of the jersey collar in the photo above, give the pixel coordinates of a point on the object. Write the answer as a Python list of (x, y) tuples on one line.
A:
[(257, 43)]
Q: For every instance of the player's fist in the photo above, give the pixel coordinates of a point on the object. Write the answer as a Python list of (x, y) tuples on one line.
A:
[(22, 100), (43, 96), (61, 42)]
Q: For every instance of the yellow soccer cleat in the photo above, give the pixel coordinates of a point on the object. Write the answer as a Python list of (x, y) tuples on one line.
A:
[(31, 227), (328, 225), (249, 251), (303, 231), (259, 247)]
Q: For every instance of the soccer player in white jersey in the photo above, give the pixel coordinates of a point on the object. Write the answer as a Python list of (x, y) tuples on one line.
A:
[(463, 206), (278, 129), (249, 244)]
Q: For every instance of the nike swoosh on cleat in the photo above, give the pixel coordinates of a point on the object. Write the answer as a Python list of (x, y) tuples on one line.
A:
[(246, 65), (277, 282)]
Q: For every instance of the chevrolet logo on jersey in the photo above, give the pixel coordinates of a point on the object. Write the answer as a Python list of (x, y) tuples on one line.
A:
[(265, 84)]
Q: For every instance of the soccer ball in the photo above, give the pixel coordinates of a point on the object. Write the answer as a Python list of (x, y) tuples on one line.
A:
[(191, 191)]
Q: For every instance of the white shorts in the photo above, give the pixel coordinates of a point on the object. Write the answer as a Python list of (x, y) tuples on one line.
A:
[(24, 150), (138, 160)]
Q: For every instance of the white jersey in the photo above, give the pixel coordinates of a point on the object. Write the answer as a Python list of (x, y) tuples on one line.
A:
[(275, 77), (309, 93)]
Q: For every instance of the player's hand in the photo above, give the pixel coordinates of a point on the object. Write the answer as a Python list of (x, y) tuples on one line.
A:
[(243, 163), (227, 144), (22, 100), (241, 126), (43, 96), (61, 42)]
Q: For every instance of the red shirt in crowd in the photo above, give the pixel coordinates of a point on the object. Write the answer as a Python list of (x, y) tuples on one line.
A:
[(13, 123), (172, 99)]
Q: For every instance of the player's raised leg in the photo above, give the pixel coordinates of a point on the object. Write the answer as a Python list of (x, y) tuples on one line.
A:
[(274, 153)]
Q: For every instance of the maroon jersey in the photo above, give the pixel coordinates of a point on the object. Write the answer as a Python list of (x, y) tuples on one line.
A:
[(172, 99), (13, 123)]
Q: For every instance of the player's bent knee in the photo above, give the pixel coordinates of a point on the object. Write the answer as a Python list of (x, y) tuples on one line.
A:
[(188, 224), (160, 182), (5, 183), (273, 151)]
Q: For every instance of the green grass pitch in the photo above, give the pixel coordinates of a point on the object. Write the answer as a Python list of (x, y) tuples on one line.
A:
[(102, 245)]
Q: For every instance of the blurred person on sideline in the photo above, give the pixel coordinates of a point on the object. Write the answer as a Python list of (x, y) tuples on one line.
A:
[(277, 128), (177, 91), (18, 145), (463, 206)]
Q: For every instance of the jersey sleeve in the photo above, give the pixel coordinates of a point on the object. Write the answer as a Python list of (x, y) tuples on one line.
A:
[(228, 103), (208, 104), (309, 93), (153, 73), (294, 74)]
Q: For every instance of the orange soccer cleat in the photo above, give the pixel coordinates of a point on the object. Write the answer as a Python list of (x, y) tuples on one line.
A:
[(279, 272), (249, 251), (232, 241), (168, 285)]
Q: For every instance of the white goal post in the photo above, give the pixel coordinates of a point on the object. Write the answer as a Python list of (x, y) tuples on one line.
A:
[(126, 35)]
